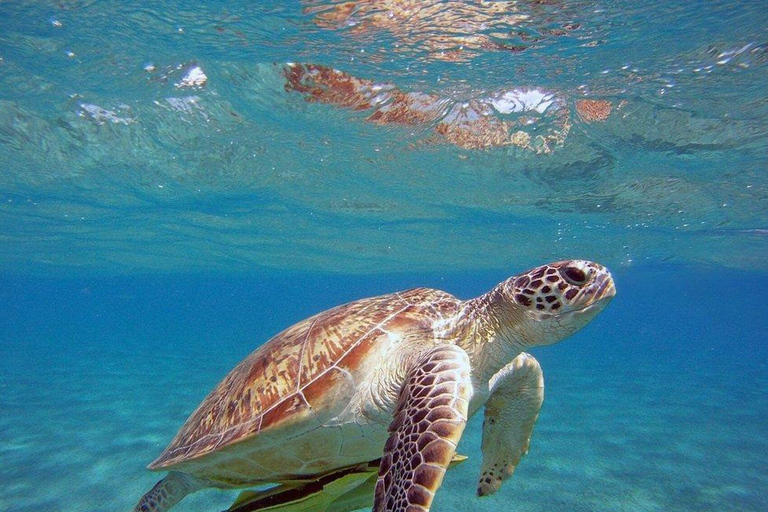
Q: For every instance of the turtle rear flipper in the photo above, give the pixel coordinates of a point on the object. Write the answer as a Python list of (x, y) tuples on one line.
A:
[(168, 491)]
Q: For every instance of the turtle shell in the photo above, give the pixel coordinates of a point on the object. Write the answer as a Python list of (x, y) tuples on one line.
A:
[(299, 379)]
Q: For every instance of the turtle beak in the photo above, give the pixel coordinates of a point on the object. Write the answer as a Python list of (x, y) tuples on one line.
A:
[(606, 289), (602, 289)]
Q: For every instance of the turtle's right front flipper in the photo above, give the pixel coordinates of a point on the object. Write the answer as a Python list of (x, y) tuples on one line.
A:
[(429, 418)]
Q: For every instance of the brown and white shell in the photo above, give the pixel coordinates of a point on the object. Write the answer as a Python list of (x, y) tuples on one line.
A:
[(268, 419)]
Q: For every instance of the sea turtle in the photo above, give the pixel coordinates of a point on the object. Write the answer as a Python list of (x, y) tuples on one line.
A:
[(393, 377)]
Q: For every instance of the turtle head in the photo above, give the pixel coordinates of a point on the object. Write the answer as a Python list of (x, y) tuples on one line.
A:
[(553, 301)]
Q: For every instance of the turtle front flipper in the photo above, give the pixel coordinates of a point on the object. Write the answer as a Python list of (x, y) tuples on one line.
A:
[(517, 392), (429, 418)]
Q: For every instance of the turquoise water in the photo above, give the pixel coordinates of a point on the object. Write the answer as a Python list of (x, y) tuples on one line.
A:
[(169, 200)]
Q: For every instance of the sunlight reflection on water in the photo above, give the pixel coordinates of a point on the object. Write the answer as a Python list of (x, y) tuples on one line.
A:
[(158, 139)]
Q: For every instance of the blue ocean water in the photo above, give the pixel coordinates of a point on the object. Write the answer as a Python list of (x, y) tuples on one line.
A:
[(180, 182), (659, 404)]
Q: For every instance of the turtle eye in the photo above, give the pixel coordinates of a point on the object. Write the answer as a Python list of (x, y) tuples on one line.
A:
[(574, 276)]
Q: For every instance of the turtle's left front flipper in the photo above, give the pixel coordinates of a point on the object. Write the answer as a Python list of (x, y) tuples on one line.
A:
[(430, 417), (517, 392)]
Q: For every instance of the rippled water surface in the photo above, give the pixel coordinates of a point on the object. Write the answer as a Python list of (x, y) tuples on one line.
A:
[(164, 137), (179, 181)]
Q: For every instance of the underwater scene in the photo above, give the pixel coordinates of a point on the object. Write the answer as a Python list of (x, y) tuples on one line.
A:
[(180, 182)]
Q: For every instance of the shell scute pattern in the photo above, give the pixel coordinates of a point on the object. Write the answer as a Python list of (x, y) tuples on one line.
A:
[(287, 380)]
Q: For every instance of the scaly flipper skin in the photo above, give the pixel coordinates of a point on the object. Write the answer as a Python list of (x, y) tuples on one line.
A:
[(167, 492), (517, 392), (429, 419)]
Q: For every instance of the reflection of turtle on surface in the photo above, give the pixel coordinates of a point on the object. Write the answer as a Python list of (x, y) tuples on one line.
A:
[(530, 118), (394, 378)]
